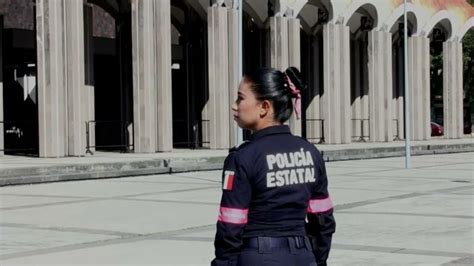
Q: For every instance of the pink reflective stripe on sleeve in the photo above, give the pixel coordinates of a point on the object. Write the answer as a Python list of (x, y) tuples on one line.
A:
[(234, 216), (320, 205)]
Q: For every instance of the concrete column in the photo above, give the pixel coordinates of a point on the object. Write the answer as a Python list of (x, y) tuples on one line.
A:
[(313, 127), (234, 79), (162, 29), (217, 107), (152, 110), (2, 145), (74, 67), (415, 57), (61, 93), (380, 86), (419, 78), (452, 89), (278, 28), (285, 51), (336, 96), (144, 75), (89, 73), (460, 95), (51, 78)]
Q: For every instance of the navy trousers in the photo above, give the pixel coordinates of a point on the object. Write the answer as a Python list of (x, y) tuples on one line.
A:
[(277, 251)]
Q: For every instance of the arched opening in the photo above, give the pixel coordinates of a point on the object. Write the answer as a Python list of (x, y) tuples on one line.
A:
[(189, 88), (398, 73), (110, 72), (468, 81), (18, 63), (438, 35), (360, 24), (313, 16)]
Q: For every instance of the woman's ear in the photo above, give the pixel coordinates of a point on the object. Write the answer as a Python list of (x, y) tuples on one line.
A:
[(266, 107)]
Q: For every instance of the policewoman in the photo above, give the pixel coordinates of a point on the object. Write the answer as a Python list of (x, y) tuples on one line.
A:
[(275, 207)]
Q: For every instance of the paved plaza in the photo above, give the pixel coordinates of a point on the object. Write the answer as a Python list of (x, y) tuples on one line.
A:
[(386, 215)]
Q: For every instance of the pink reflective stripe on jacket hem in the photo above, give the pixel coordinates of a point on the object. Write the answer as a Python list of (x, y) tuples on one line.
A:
[(234, 216), (320, 205)]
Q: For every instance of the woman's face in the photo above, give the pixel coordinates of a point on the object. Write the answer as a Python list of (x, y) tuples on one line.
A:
[(247, 108)]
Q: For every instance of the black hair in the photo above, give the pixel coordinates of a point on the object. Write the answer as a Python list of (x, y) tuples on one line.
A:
[(273, 85)]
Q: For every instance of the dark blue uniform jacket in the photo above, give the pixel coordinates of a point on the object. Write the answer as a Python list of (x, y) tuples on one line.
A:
[(274, 185)]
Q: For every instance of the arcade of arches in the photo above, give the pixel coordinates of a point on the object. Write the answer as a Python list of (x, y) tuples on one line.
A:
[(149, 76)]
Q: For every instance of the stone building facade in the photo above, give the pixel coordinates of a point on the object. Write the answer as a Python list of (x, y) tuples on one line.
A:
[(150, 76)]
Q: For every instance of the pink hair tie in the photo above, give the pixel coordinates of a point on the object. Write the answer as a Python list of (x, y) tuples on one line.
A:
[(297, 101)]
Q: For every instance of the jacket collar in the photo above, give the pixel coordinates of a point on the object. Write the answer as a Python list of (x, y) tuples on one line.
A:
[(280, 129)]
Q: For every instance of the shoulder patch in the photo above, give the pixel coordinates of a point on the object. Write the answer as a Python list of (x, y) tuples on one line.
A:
[(228, 183)]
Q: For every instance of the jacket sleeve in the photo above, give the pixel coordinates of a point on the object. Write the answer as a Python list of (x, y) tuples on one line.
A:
[(321, 223), (233, 212)]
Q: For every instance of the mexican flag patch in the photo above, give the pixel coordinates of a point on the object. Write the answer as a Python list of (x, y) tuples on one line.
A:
[(228, 183)]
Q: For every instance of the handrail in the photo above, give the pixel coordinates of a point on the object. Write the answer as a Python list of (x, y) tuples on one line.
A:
[(193, 142), (322, 139), (124, 125), (362, 136)]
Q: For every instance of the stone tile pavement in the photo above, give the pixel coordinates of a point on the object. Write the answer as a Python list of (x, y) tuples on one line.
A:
[(386, 215)]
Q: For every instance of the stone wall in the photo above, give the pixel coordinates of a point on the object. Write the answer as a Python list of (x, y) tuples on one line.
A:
[(18, 14), (104, 23)]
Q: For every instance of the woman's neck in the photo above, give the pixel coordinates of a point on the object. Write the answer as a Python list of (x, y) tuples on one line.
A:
[(265, 124)]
